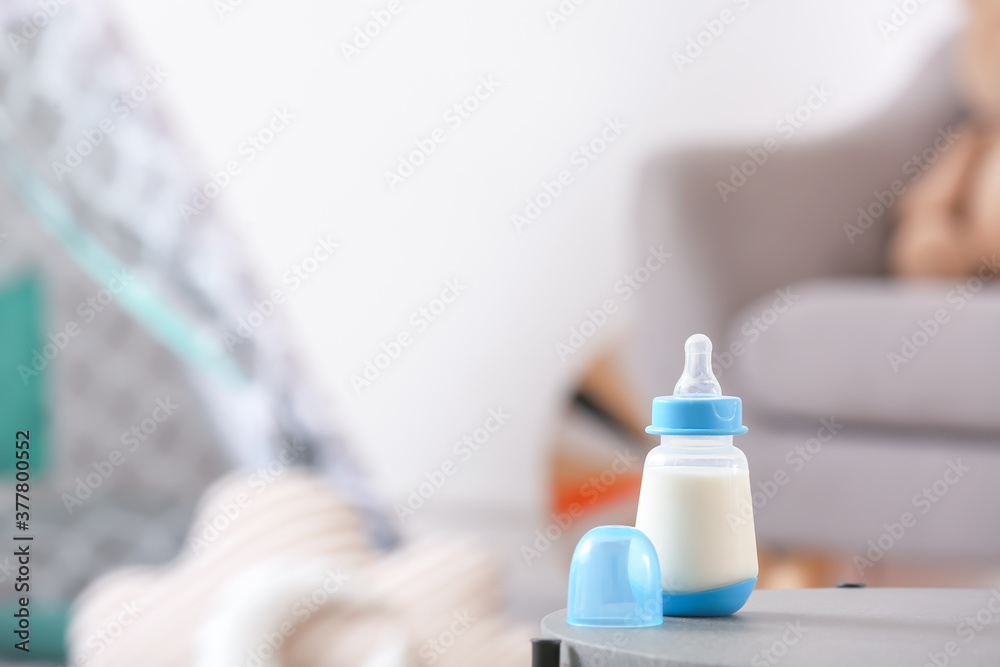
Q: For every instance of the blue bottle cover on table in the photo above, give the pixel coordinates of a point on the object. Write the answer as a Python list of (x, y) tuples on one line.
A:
[(614, 580)]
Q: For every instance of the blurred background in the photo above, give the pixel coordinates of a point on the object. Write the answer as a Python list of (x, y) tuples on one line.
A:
[(442, 256)]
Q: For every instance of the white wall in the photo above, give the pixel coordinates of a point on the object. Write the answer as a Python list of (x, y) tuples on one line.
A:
[(451, 219)]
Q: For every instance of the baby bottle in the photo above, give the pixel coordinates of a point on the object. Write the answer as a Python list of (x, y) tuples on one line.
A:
[(694, 502)]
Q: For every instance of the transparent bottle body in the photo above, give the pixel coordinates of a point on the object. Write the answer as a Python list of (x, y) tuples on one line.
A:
[(695, 506)]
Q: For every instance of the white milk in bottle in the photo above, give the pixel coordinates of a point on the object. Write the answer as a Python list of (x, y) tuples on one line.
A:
[(694, 503)]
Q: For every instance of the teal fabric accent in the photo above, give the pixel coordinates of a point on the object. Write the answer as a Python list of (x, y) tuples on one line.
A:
[(22, 387), (47, 643), (716, 602)]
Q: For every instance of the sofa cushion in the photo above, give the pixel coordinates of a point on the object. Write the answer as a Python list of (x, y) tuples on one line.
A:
[(878, 351)]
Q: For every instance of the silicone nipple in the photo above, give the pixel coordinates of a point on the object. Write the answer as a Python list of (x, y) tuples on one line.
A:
[(697, 377)]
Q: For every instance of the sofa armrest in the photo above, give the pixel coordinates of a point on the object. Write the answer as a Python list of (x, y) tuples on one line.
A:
[(787, 223)]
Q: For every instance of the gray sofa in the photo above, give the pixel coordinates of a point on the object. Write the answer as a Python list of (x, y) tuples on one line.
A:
[(847, 444)]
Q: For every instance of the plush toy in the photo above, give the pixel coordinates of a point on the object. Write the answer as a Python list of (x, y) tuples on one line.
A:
[(949, 222), (278, 572)]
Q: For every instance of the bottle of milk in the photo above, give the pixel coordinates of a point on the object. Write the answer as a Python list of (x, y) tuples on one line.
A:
[(694, 502)]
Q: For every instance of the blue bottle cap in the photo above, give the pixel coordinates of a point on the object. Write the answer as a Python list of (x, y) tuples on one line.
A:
[(614, 580), (697, 406)]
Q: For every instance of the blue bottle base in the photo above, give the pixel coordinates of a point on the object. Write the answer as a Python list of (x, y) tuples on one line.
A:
[(716, 602)]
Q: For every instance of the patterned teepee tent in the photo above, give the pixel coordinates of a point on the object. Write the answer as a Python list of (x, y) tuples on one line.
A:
[(116, 310)]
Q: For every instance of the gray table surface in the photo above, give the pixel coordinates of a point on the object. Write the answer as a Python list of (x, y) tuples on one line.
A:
[(814, 627)]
